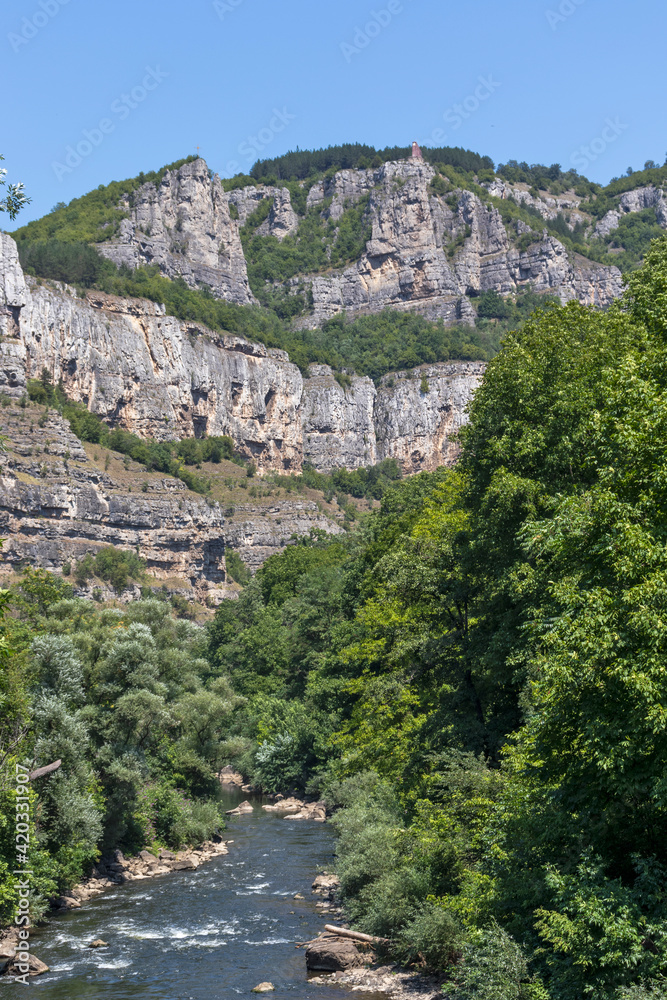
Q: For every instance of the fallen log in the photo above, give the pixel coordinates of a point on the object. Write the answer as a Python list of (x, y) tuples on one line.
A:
[(355, 935), (41, 771)]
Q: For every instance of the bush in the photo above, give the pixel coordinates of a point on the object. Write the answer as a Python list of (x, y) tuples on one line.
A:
[(74, 263), (492, 306), (654, 989), (236, 568), (494, 967), (433, 936), (115, 566)]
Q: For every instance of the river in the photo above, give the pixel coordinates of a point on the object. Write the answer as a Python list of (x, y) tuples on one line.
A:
[(209, 934)]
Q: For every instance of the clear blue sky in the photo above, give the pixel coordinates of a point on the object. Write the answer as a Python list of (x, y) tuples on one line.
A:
[(557, 71)]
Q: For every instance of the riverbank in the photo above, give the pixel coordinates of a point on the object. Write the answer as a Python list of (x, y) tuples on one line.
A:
[(394, 982), (364, 975)]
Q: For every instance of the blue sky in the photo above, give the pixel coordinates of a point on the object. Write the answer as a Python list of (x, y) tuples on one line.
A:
[(136, 84)]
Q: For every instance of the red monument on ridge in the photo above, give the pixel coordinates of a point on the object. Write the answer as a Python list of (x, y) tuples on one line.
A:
[(416, 151)]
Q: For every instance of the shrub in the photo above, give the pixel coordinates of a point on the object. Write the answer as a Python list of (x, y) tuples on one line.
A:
[(654, 989), (236, 568), (433, 936), (494, 966), (115, 566)]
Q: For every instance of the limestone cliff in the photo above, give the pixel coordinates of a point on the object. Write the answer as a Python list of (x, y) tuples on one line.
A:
[(418, 413), (634, 201), (55, 506), (185, 227), (60, 500), (412, 417), (338, 421), (152, 374), (427, 253), (412, 261), (158, 377)]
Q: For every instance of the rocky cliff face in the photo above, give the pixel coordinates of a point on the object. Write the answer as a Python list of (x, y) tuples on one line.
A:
[(281, 220), (635, 201), (185, 227), (338, 421), (56, 505), (153, 375), (412, 417), (427, 253), (409, 263), (160, 378), (59, 501), (417, 414)]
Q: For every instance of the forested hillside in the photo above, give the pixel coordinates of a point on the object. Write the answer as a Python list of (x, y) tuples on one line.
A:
[(479, 678)]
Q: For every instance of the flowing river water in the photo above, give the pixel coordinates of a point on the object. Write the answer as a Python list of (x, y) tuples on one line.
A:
[(210, 934)]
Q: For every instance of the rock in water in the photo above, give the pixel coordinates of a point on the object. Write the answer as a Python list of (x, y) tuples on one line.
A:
[(243, 809), (33, 967), (99, 943), (264, 988), (332, 955)]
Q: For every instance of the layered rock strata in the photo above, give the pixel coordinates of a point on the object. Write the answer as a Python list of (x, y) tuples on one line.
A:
[(412, 416), (431, 254), (158, 377), (55, 507)]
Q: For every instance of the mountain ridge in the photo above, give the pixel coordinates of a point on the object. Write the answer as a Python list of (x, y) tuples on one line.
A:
[(407, 235)]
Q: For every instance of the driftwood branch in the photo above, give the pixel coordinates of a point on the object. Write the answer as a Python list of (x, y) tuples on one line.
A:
[(41, 771), (355, 935)]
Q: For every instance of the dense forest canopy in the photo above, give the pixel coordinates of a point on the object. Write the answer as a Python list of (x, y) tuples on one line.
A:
[(301, 164)]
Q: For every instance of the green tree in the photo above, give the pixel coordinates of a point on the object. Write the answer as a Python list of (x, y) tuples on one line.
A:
[(15, 198)]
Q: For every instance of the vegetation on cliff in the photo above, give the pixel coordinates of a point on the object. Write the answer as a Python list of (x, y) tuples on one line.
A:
[(176, 458), (305, 164)]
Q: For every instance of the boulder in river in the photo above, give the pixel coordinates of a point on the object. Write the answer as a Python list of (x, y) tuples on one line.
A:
[(326, 884), (99, 943), (241, 810), (286, 806), (65, 902), (264, 988), (228, 776), (185, 865), (332, 955), (19, 968), (316, 811)]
